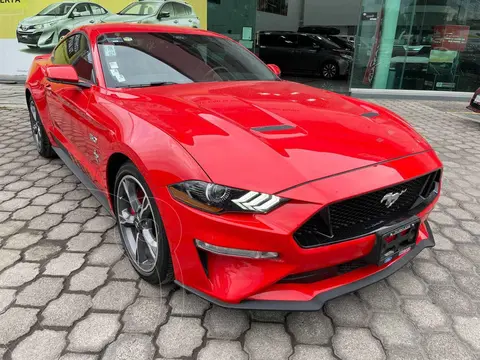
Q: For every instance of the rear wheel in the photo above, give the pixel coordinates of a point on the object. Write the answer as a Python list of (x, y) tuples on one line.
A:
[(329, 70), (40, 137), (141, 227)]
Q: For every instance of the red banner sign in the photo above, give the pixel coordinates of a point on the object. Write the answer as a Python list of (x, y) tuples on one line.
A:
[(450, 37), (372, 62)]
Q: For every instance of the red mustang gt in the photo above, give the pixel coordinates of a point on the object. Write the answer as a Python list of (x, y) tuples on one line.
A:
[(247, 190)]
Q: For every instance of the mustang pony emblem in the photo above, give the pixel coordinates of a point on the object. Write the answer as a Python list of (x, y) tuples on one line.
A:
[(391, 198)]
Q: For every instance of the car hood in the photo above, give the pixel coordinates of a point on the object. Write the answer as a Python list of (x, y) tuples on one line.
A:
[(37, 20), (269, 136), (125, 18)]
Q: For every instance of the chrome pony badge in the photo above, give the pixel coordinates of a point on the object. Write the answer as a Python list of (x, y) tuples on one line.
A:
[(391, 198)]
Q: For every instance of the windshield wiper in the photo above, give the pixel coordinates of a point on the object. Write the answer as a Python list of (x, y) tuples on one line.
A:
[(159, 83)]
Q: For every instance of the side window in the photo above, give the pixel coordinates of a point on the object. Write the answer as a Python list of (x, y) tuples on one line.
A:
[(97, 10), (168, 7), (81, 10), (188, 10), (58, 55), (75, 51), (287, 41), (81, 57), (306, 42)]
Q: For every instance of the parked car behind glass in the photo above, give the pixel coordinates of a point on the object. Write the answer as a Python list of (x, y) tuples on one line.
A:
[(45, 29), (178, 13), (300, 53)]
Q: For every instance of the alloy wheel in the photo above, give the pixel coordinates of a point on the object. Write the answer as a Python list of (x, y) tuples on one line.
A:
[(329, 71), (36, 125), (137, 223)]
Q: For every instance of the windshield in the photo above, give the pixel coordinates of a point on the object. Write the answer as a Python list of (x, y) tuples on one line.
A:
[(141, 8), (56, 9), (144, 59)]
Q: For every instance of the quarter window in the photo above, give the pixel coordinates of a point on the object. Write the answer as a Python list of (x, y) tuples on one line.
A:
[(168, 7), (97, 10), (181, 10)]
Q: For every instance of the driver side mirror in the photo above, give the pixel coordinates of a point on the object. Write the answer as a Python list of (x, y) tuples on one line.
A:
[(275, 69), (164, 14), (65, 74)]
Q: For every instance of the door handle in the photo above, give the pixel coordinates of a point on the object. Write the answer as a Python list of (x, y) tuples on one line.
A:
[(92, 21), (190, 20), (175, 22)]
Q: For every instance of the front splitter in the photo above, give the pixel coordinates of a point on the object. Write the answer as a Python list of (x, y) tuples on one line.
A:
[(318, 301)]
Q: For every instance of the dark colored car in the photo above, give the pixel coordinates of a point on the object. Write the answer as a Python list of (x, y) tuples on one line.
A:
[(299, 53), (475, 102)]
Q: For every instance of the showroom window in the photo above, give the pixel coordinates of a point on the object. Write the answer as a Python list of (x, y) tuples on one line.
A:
[(418, 45), (279, 7)]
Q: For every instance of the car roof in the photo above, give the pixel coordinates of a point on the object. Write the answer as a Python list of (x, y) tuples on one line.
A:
[(95, 30)]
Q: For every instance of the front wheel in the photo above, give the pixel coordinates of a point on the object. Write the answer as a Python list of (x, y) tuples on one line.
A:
[(141, 227), (329, 70), (42, 142)]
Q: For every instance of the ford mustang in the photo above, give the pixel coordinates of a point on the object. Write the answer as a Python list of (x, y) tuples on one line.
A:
[(247, 190)]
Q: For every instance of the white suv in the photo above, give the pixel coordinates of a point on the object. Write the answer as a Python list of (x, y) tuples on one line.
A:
[(166, 12)]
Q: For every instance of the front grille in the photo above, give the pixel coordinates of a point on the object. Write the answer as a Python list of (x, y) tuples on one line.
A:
[(364, 214), (28, 38)]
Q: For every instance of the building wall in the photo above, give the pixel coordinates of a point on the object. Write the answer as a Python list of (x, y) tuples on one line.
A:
[(334, 12), (269, 21), (228, 17)]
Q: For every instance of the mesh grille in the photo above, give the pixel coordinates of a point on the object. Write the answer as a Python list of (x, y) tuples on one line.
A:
[(360, 215)]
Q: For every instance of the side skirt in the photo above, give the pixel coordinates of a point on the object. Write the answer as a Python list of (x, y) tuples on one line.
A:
[(80, 174)]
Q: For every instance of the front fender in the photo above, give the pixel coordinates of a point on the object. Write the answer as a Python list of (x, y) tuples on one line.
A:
[(160, 158)]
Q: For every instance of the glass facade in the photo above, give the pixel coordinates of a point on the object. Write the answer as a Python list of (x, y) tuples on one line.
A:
[(399, 44), (418, 45)]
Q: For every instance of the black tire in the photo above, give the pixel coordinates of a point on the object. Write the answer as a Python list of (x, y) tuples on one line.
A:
[(329, 70), (163, 270), (40, 137)]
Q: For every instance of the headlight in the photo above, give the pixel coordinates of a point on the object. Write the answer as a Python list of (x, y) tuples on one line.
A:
[(216, 198), (43, 26)]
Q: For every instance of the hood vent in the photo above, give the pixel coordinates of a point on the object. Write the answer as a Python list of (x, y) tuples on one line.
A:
[(266, 129), (370, 114)]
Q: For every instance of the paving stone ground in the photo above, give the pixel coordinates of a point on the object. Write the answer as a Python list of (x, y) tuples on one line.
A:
[(67, 292)]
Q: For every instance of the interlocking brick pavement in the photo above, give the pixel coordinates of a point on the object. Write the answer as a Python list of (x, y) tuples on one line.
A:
[(67, 291)]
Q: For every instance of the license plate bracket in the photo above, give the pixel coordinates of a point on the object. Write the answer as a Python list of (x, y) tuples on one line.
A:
[(395, 241)]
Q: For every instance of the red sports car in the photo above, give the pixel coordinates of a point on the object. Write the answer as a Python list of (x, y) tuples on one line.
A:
[(247, 190)]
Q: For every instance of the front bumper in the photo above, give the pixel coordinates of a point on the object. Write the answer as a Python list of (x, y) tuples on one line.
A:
[(267, 283), (319, 300), (37, 38)]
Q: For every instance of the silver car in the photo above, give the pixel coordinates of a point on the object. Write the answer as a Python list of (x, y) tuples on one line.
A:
[(166, 12), (45, 29)]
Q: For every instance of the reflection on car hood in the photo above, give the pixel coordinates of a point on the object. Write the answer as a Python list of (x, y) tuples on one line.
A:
[(268, 136), (37, 20), (125, 18)]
